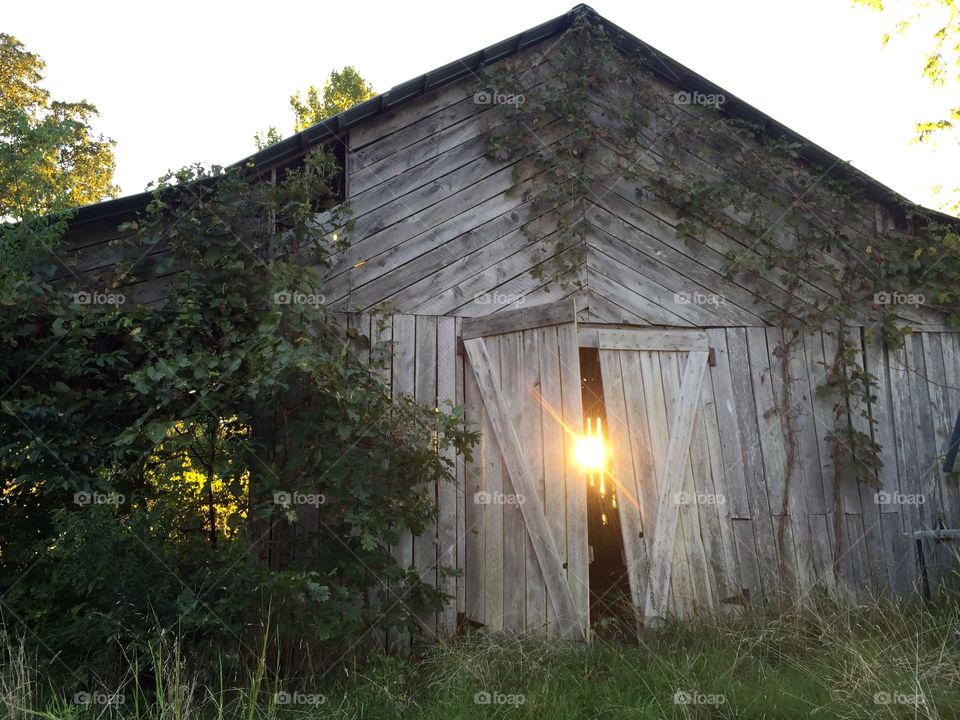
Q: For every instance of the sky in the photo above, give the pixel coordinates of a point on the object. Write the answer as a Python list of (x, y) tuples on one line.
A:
[(179, 81)]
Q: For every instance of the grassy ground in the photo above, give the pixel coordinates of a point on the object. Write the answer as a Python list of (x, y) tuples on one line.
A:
[(895, 662)]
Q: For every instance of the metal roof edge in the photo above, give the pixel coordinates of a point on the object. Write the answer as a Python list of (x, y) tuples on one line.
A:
[(662, 65)]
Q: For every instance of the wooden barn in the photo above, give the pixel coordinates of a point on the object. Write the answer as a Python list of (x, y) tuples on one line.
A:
[(650, 439)]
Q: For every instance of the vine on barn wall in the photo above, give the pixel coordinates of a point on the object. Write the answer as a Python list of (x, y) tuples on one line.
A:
[(584, 110)]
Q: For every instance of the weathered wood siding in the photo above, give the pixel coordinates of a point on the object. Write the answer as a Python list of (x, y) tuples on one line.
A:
[(439, 226), (439, 237), (747, 535)]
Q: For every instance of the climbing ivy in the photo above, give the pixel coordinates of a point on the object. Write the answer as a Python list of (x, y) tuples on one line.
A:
[(591, 111), (214, 463)]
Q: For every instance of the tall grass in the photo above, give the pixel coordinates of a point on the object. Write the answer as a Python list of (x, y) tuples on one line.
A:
[(895, 661)]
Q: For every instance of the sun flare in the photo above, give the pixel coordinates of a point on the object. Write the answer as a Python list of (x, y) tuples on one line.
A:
[(590, 452)]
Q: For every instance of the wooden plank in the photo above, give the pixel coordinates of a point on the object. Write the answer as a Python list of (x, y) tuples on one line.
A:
[(790, 379), (726, 424), (399, 119), (514, 540), (941, 424), (701, 520), (821, 552), (774, 454), (683, 300), (790, 480), (620, 437), (543, 542), (674, 288), (900, 550), (447, 492), (474, 535), (870, 508), (526, 286), (413, 172), (462, 491), (431, 222), (532, 439), (950, 344), (750, 420), (683, 591), (907, 459), (425, 544), (381, 332), (663, 543), (445, 276), (496, 284), (403, 370), (698, 277), (493, 578), (929, 466), (883, 433), (551, 422), (651, 340), (718, 539), (608, 312), (657, 414), (848, 509), (556, 313), (578, 560), (618, 292), (634, 291), (751, 586), (405, 271)]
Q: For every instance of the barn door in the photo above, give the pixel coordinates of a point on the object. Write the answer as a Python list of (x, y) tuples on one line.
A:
[(526, 564), (651, 384)]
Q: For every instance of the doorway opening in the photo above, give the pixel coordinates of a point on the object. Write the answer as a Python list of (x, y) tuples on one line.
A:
[(610, 601)]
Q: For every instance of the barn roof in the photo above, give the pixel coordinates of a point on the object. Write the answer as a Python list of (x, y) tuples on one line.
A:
[(468, 66)]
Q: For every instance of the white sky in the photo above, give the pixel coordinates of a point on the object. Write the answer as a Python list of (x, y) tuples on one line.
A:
[(178, 82)]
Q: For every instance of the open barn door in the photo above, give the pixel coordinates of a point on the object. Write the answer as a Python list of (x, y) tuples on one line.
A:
[(651, 386), (526, 545)]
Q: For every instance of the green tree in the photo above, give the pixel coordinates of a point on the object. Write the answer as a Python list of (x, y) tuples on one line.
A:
[(50, 157), (342, 90), (941, 64)]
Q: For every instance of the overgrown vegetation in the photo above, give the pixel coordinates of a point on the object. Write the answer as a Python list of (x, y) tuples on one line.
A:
[(210, 461), (890, 662)]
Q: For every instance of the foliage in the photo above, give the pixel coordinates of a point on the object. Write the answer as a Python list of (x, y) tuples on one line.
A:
[(827, 662), (213, 458), (941, 65), (344, 89), (588, 120), (50, 157)]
